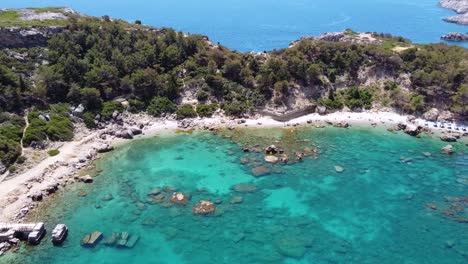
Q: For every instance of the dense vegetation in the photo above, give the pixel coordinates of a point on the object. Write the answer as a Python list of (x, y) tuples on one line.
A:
[(96, 61)]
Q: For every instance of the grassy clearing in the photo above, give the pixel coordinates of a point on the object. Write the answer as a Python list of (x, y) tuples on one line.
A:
[(46, 9)]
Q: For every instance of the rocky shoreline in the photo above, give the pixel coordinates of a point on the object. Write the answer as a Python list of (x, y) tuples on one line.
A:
[(23, 193)]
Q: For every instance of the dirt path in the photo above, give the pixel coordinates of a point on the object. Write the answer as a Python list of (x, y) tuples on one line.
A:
[(24, 131)]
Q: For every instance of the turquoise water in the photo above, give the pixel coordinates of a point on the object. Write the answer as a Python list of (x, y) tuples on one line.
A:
[(258, 25), (378, 210)]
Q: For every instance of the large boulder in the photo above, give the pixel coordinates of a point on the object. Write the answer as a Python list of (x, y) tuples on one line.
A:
[(203, 207), (448, 138), (431, 115), (322, 110), (412, 130), (86, 179), (78, 111), (445, 116), (271, 150), (271, 159), (447, 149)]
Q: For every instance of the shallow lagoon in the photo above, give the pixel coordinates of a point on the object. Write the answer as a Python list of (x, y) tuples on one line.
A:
[(375, 211), (258, 25)]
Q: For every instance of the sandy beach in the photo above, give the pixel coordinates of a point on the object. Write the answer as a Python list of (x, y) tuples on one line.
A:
[(52, 173)]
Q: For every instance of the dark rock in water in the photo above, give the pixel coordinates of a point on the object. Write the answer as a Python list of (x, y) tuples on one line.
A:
[(179, 198), (271, 150), (291, 247), (260, 171), (244, 188), (86, 179), (37, 196), (448, 138), (203, 207), (91, 240), (412, 130)]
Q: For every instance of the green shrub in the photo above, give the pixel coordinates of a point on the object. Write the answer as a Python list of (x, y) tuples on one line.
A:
[(12, 168), (161, 105), (185, 111), (59, 128), (206, 110), (53, 152), (136, 105), (108, 109), (21, 159), (234, 109), (88, 119)]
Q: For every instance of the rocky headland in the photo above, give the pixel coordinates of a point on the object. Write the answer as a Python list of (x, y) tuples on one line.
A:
[(459, 6)]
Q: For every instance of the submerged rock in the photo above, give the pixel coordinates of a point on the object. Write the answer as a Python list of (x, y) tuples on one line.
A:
[(154, 192), (203, 207), (290, 246), (236, 200), (339, 169), (107, 197), (260, 171), (271, 159), (244, 188)]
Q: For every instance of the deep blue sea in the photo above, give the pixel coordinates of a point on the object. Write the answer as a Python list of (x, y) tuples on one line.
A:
[(259, 25), (398, 200)]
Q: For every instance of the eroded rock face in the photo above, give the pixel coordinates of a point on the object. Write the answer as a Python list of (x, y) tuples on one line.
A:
[(203, 207), (459, 6), (15, 37), (431, 115)]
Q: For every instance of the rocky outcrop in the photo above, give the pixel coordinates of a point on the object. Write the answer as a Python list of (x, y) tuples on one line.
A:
[(455, 36), (448, 138), (30, 37), (459, 6), (461, 20), (203, 208), (349, 37)]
